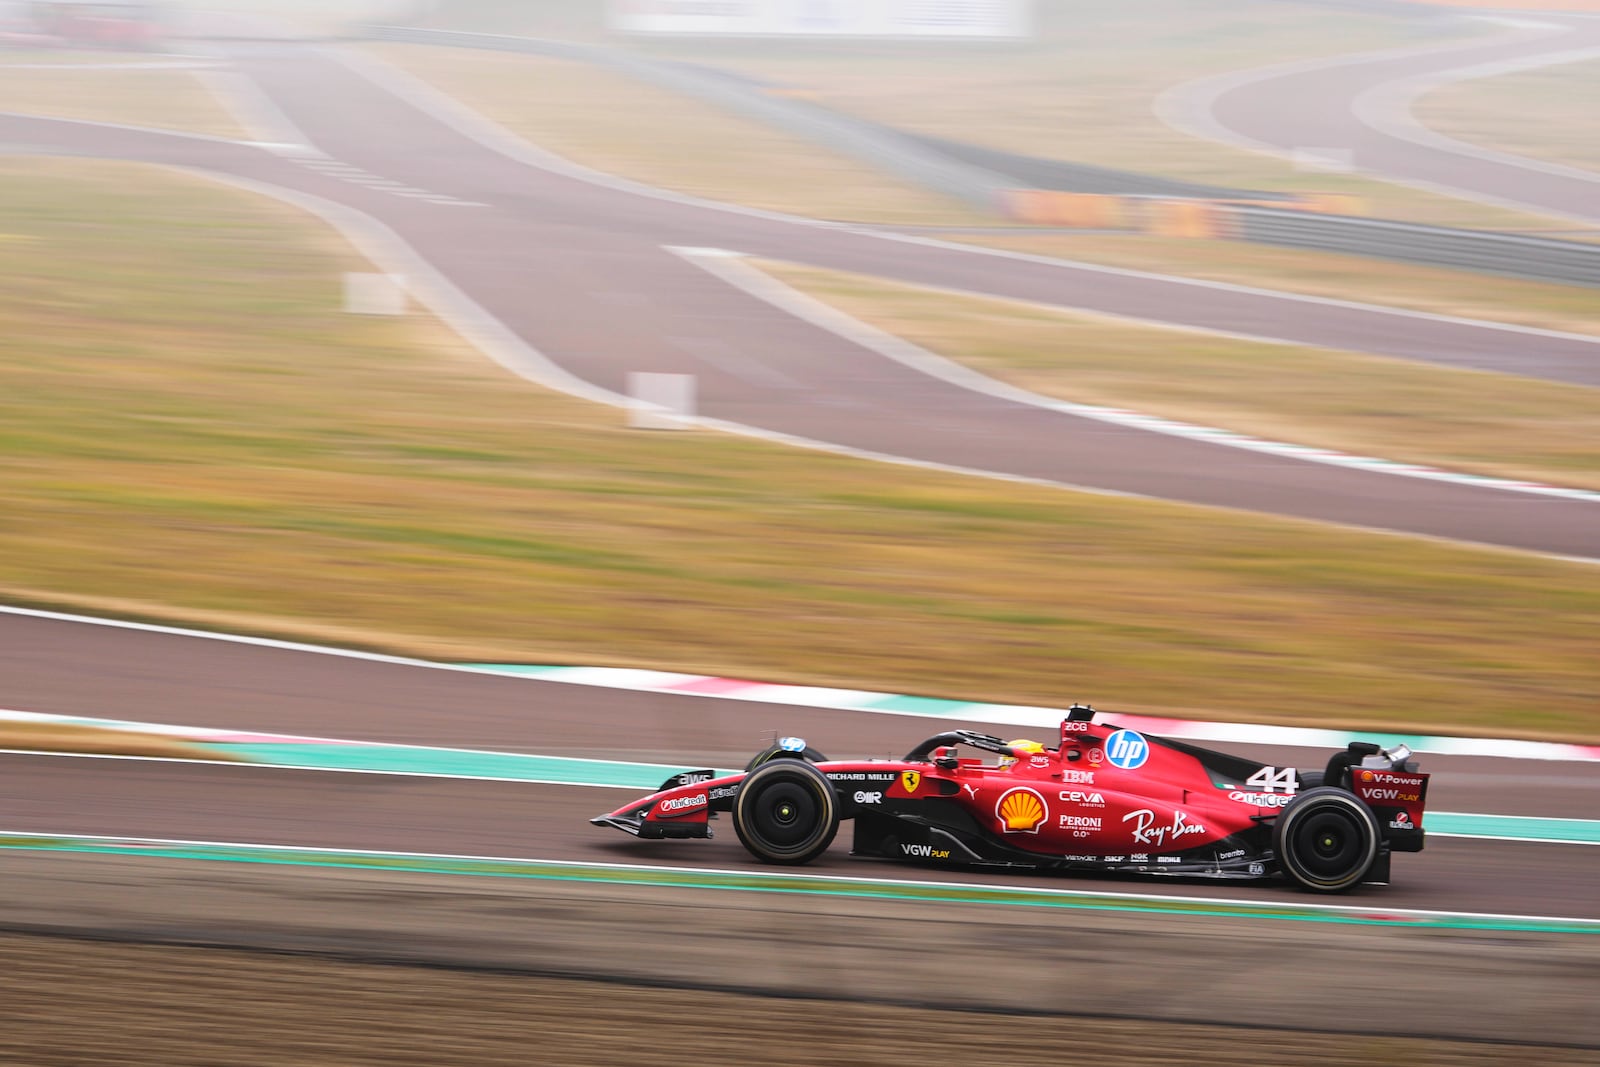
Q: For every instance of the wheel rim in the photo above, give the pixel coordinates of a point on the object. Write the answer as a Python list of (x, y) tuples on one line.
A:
[(785, 815), (1329, 844)]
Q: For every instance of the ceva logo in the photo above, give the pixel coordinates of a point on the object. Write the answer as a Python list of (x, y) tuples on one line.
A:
[(1127, 750), (1021, 811)]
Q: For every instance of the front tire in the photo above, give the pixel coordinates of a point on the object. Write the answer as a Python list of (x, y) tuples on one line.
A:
[(773, 752), (786, 812), (1326, 840)]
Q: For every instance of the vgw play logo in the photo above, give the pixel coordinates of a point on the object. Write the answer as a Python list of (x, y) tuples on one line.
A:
[(1127, 750)]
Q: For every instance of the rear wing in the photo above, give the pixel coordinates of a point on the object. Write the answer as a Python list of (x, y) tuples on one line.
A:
[(1388, 781), (1397, 798)]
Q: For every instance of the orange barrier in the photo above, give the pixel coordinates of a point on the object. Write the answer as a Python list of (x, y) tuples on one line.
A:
[(1189, 218), (1169, 217), (1086, 211)]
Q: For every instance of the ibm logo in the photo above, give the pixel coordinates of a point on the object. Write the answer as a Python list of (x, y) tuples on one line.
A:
[(1127, 750)]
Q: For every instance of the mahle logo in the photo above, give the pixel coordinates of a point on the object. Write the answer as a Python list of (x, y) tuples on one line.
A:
[(1021, 811), (1127, 750)]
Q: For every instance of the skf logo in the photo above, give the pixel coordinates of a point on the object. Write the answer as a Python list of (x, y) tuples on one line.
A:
[(909, 780), (1021, 811)]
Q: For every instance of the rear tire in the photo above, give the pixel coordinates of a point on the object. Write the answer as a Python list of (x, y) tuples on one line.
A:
[(1326, 840), (786, 812)]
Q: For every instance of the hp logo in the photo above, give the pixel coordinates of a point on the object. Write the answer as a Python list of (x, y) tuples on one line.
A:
[(1127, 750)]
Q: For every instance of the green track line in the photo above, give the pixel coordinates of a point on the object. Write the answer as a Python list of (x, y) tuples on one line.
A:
[(517, 767), (794, 884), (455, 763), (366, 757)]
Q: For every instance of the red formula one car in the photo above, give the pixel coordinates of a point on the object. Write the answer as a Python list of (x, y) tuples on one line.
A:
[(1107, 799)]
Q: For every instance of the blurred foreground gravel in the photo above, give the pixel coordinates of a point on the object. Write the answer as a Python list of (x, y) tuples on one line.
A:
[(67, 1001)]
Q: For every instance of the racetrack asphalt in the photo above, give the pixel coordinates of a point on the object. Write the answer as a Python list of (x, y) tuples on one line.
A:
[(1360, 105), (579, 270), (65, 667)]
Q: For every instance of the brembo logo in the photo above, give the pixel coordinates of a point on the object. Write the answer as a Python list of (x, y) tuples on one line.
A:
[(1021, 811), (679, 805)]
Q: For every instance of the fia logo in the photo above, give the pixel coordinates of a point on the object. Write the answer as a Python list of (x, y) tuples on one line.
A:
[(1127, 750)]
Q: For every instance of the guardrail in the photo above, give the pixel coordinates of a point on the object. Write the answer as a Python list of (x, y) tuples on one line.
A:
[(1542, 258), (1076, 195), (878, 146)]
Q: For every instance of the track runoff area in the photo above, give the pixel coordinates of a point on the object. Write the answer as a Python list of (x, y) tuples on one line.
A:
[(357, 757)]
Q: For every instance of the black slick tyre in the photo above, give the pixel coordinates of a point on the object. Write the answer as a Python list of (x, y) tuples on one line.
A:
[(773, 752), (1326, 840), (786, 812)]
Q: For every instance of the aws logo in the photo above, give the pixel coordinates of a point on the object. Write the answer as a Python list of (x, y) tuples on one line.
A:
[(1021, 811)]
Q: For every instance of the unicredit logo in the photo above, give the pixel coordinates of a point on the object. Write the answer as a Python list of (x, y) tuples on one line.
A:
[(675, 805)]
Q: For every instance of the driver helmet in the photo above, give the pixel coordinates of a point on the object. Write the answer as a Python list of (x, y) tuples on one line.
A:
[(1019, 746)]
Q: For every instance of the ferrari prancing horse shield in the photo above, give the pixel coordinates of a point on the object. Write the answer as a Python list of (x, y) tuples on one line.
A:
[(909, 780)]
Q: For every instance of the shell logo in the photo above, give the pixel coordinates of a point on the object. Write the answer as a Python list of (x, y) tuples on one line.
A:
[(1021, 811), (1366, 776)]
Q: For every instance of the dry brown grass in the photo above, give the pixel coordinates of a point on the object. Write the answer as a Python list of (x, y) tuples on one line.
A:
[(160, 99), (1464, 420), (1547, 114), (99, 741), (238, 449), (1572, 308), (606, 121), (1081, 92)]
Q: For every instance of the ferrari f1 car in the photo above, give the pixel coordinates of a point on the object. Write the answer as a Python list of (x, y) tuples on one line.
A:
[(1107, 798)]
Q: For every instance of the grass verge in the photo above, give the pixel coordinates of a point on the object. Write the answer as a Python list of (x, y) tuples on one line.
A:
[(1081, 91), (156, 98), (94, 740), (1548, 113), (1464, 420), (194, 427), (1545, 305), (609, 122)]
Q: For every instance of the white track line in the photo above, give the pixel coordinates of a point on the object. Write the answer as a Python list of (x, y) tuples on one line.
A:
[(1388, 108), (1283, 736), (732, 269), (1043, 892), (1189, 108), (490, 135)]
